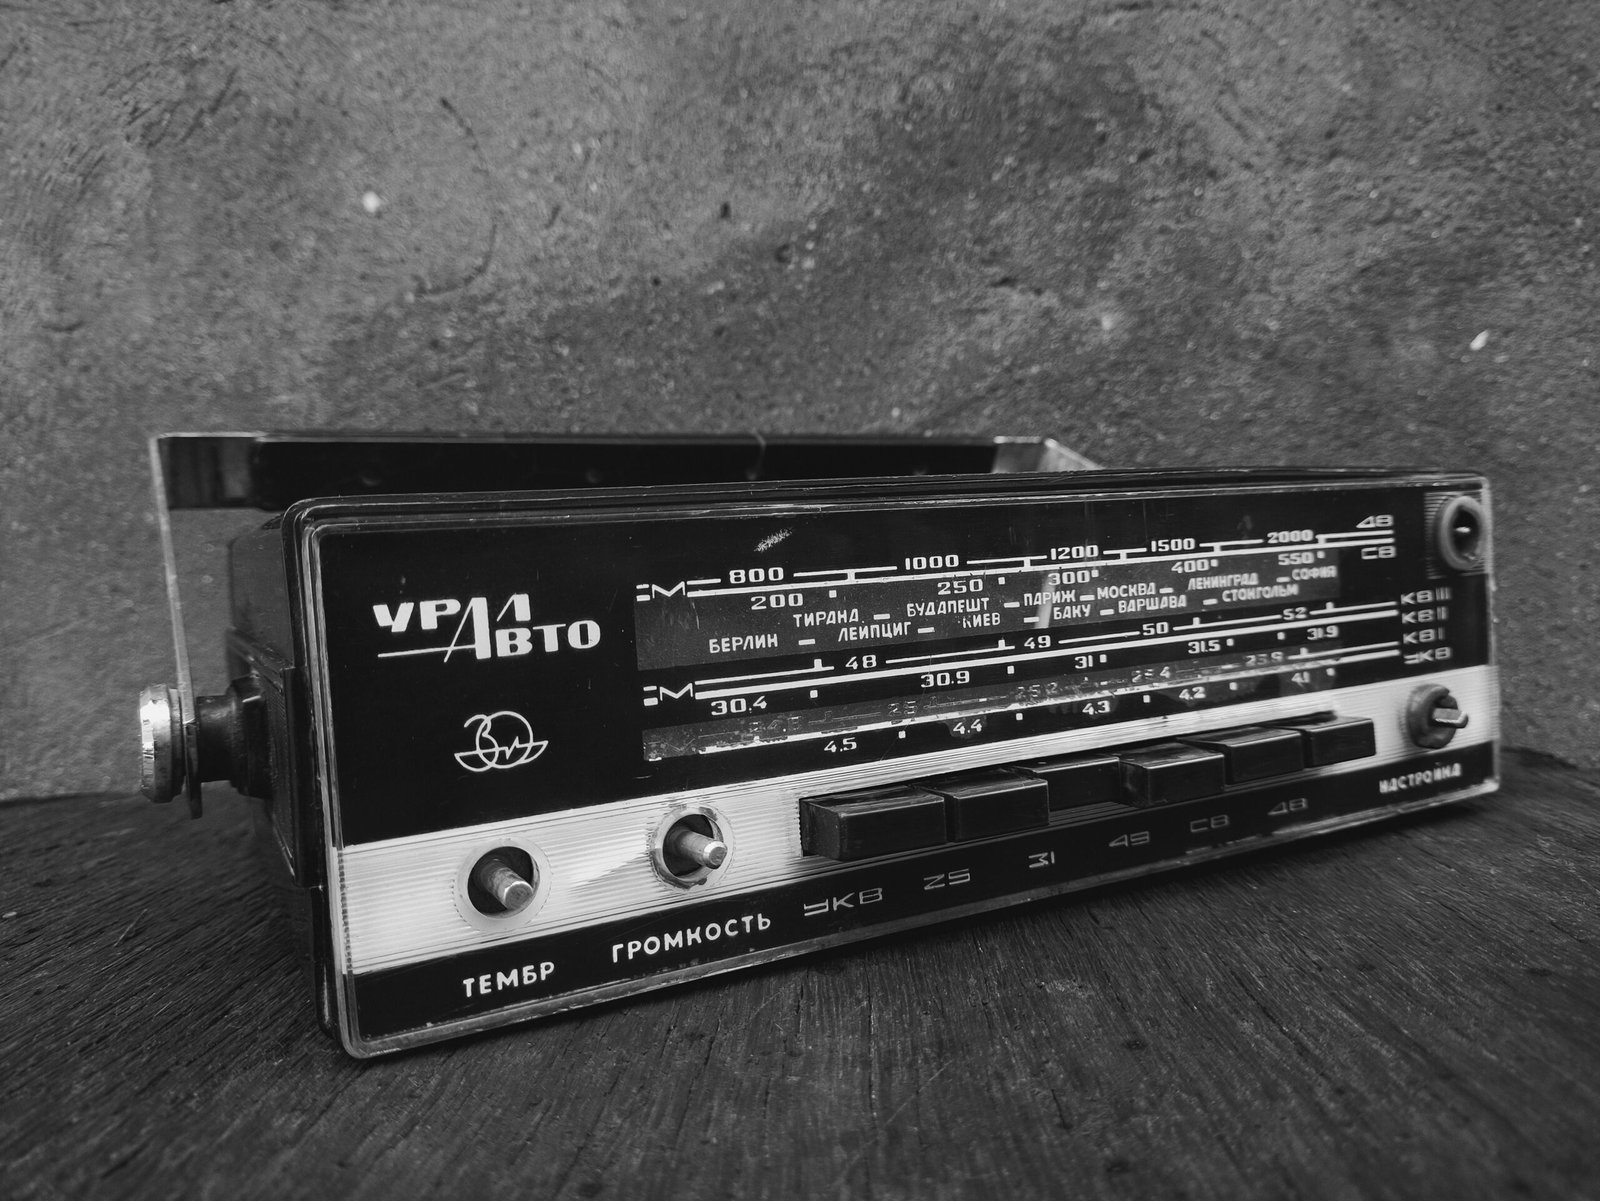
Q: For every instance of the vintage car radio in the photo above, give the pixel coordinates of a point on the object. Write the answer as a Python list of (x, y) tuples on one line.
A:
[(520, 749)]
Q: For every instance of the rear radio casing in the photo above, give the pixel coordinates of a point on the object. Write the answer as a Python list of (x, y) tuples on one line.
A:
[(522, 751)]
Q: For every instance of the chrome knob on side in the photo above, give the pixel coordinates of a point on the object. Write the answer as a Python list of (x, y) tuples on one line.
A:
[(161, 750), (225, 738)]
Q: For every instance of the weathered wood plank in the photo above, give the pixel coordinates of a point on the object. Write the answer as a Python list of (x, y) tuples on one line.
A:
[(1389, 1013)]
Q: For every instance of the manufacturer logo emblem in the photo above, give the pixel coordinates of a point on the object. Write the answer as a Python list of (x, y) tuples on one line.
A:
[(501, 741), (476, 634)]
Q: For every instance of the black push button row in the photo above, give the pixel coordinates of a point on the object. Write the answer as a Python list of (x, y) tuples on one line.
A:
[(1077, 780), (871, 822), (1170, 772), (1253, 752), (982, 804), (1328, 739)]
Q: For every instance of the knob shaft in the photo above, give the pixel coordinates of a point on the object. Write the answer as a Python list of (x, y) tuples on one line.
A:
[(1433, 716), (497, 877), (691, 844)]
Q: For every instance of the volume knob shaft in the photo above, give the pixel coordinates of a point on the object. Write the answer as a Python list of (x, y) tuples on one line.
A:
[(692, 845)]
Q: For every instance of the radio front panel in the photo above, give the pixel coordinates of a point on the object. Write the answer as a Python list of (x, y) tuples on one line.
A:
[(568, 750)]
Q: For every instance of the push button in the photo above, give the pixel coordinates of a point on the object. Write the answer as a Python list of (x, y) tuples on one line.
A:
[(982, 804), (1076, 780), (1254, 752), (871, 822), (1328, 739), (1171, 772)]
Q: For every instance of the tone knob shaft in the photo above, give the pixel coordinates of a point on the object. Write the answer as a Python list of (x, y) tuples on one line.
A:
[(513, 891)]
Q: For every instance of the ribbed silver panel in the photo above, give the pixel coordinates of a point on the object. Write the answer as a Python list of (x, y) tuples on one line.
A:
[(403, 901)]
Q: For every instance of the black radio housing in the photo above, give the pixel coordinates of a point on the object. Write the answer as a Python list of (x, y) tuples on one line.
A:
[(521, 750)]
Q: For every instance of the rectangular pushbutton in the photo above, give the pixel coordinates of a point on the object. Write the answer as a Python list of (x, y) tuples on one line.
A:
[(981, 804), (871, 822), (1328, 739), (1170, 772), (1076, 780), (1253, 752)]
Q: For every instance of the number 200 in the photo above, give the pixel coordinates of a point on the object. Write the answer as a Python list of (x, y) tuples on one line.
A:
[(778, 600)]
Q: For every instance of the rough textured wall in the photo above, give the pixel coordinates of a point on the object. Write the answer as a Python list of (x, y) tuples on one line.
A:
[(1173, 234)]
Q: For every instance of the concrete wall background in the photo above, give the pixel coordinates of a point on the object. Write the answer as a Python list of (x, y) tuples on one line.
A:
[(1220, 232)]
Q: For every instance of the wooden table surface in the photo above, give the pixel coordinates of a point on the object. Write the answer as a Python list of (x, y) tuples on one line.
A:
[(1408, 1010)]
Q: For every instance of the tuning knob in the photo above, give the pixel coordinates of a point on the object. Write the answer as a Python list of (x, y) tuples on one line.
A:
[(1433, 716)]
